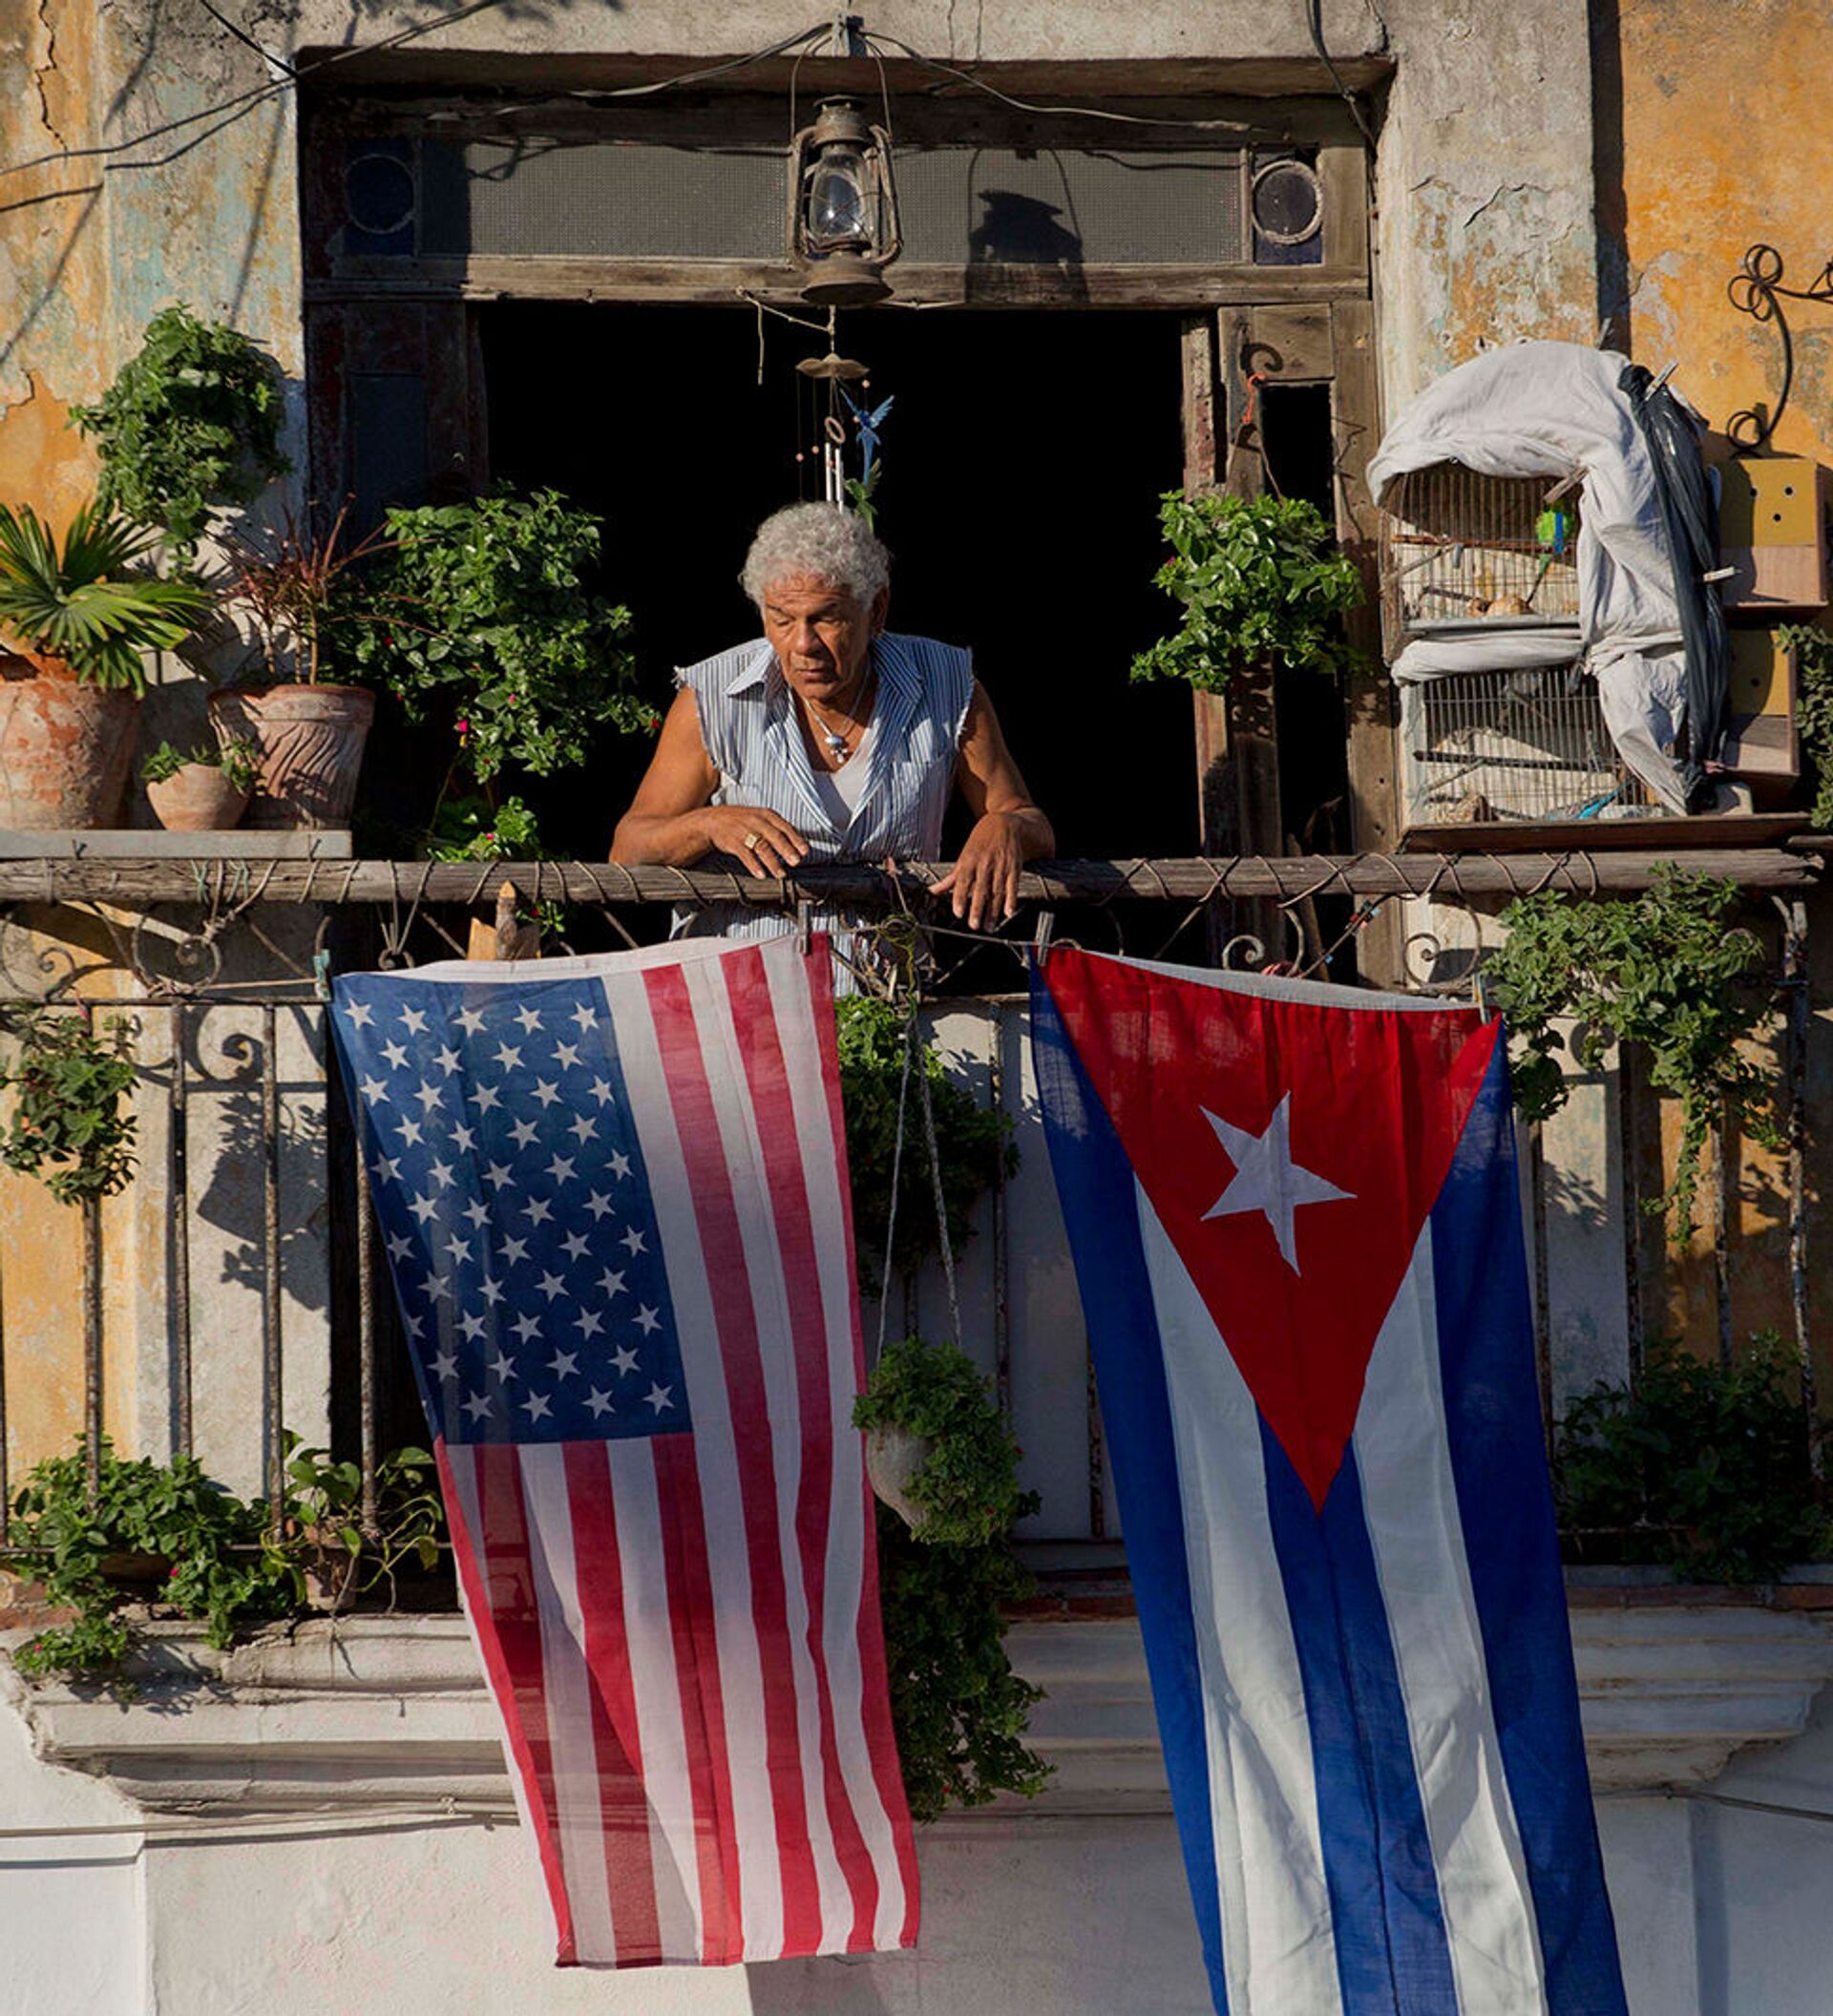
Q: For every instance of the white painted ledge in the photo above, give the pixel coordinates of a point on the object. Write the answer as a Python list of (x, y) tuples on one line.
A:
[(391, 1714)]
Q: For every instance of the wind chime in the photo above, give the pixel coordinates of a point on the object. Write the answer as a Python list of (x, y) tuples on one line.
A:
[(839, 375)]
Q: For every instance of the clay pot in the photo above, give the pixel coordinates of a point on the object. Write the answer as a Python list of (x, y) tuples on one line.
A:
[(310, 739), (894, 1455), (65, 746), (197, 799)]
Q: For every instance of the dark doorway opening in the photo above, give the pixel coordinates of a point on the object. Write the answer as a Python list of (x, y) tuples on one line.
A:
[(1023, 460)]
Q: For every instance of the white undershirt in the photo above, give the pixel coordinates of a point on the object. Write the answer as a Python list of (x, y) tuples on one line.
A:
[(841, 791)]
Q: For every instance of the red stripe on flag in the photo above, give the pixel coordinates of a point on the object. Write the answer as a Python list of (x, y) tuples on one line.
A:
[(728, 1279), (881, 1739), (597, 1573), (754, 1020), (499, 1591), (702, 1707)]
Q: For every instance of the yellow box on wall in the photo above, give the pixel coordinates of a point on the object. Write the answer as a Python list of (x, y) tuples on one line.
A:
[(1764, 744), (1771, 532)]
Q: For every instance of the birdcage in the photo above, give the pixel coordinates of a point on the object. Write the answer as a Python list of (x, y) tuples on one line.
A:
[(1461, 551), (1526, 746)]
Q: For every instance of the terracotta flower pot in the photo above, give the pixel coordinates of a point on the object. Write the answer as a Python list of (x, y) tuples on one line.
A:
[(197, 799), (65, 746), (310, 739)]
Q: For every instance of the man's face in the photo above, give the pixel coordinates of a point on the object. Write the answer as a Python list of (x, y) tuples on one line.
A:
[(820, 635)]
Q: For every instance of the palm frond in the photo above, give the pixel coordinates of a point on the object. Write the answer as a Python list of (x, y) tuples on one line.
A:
[(84, 603)]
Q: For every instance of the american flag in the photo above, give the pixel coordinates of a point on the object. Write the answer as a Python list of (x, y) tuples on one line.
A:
[(614, 1195)]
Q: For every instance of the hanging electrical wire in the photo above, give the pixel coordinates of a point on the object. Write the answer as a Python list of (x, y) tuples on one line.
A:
[(229, 111), (1315, 21)]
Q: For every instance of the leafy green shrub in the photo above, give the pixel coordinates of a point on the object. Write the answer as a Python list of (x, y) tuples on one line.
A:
[(84, 602), (1667, 969), (208, 1541), (472, 829), (1702, 1469), (67, 1126), (959, 1711), (492, 625), (1262, 583), (191, 421), (215, 1557), (971, 1142), (324, 1549)]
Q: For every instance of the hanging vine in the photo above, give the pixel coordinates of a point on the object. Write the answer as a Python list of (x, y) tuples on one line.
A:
[(1668, 971)]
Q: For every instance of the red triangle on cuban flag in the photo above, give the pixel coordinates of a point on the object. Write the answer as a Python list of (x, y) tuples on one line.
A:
[(1292, 1149)]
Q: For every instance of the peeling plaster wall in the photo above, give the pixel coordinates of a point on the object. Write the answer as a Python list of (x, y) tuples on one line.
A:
[(1484, 187), (90, 250), (1725, 141)]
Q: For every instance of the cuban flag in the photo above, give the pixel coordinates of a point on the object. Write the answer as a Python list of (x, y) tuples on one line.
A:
[(1297, 1228)]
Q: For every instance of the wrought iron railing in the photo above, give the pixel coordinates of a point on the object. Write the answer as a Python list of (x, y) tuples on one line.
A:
[(169, 986)]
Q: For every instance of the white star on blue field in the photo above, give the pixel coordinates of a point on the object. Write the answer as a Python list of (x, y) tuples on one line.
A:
[(510, 1186)]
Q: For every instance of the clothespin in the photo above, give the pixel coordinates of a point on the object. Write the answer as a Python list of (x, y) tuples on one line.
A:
[(1041, 938), (805, 925), (322, 973), (1480, 993)]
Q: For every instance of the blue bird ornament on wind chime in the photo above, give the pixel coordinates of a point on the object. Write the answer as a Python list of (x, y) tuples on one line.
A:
[(838, 373)]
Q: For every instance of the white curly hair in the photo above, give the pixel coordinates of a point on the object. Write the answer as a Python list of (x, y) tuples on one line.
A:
[(825, 541)]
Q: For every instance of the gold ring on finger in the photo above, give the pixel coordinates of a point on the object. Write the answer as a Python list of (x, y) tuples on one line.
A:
[(751, 841)]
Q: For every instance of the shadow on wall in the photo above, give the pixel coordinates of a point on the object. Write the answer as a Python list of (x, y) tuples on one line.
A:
[(228, 1127), (837, 1985)]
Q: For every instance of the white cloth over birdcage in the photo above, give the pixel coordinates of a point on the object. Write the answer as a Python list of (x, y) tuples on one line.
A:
[(1554, 410)]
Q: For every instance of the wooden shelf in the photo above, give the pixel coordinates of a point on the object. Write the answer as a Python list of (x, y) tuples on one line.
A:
[(1709, 831)]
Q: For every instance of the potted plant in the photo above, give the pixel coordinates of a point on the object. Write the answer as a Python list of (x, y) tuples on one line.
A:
[(309, 728), (1263, 586), (205, 789), (80, 614), (192, 422)]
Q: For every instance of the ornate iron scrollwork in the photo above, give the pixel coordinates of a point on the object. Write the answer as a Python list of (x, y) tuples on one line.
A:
[(1757, 291)]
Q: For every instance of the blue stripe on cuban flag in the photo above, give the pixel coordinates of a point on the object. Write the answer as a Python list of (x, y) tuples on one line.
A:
[(1368, 1708), (510, 1185)]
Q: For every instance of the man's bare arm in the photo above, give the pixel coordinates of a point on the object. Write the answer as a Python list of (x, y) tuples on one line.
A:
[(1009, 829), (671, 823)]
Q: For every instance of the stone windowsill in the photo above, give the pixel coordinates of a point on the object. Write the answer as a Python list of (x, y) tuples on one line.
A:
[(391, 1711)]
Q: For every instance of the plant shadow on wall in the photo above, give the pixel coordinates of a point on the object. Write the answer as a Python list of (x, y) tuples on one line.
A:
[(225, 1103)]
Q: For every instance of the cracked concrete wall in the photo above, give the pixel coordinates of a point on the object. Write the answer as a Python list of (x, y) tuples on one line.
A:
[(1485, 192), (92, 245)]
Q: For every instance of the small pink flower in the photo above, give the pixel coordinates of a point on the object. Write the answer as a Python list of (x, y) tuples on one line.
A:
[(464, 727)]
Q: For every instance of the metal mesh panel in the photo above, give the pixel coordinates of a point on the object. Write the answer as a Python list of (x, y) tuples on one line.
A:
[(1493, 747), (960, 206), (1460, 550)]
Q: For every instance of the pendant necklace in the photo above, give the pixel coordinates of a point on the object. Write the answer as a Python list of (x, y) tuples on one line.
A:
[(837, 740)]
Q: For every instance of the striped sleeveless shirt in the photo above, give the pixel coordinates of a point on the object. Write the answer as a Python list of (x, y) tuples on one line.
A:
[(749, 723)]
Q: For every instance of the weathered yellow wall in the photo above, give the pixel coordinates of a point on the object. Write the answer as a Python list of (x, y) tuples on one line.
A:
[(53, 254), (1727, 140)]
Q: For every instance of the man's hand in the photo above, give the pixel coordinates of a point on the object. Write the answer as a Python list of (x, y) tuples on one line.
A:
[(984, 881), (767, 844)]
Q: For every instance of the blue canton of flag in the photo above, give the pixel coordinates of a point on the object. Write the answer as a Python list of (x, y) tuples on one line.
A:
[(510, 1186)]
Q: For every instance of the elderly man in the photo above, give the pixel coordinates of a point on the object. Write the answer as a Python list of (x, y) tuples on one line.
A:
[(832, 739)]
